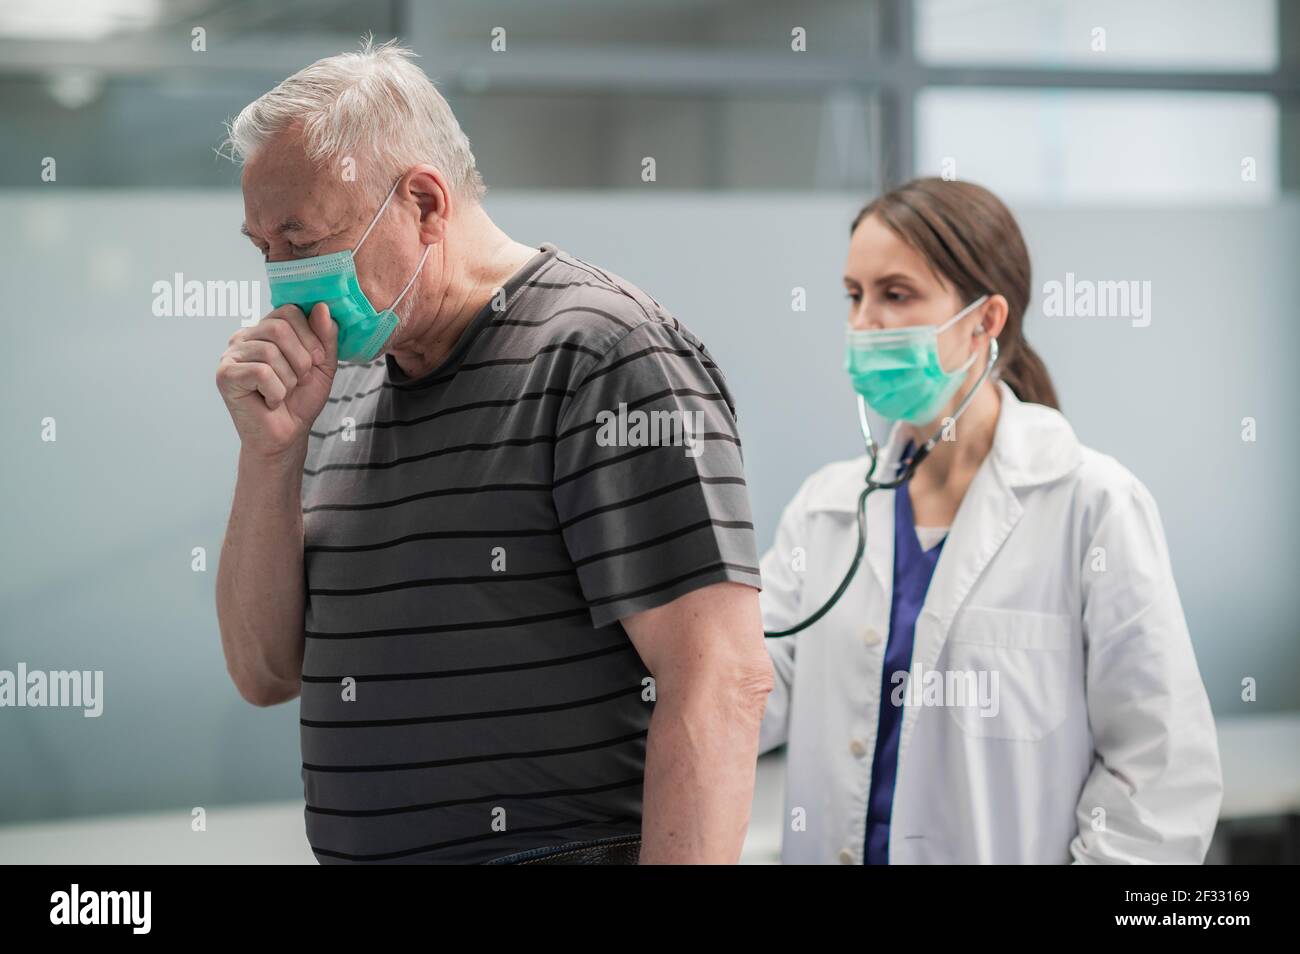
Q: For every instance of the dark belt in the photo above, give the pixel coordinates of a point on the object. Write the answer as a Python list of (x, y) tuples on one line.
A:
[(618, 850)]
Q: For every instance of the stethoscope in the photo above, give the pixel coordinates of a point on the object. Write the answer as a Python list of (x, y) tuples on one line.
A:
[(909, 468)]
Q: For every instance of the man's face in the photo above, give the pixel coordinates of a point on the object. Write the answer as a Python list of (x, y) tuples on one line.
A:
[(292, 209)]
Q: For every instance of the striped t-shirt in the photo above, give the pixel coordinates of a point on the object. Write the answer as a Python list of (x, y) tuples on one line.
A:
[(473, 538)]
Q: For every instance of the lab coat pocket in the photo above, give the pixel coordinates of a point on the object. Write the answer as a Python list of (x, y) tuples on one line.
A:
[(1016, 665)]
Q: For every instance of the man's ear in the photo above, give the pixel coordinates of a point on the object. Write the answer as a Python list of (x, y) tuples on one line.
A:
[(428, 187)]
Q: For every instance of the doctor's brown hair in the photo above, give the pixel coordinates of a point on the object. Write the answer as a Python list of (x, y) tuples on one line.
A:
[(972, 240)]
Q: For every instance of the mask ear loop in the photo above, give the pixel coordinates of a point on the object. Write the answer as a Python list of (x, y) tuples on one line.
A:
[(375, 221), (956, 318), (370, 228), (419, 268), (961, 314), (924, 450)]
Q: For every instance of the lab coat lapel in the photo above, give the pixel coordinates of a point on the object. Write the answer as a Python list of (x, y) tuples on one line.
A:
[(987, 514)]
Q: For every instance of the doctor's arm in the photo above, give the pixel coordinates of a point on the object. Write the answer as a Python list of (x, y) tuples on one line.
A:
[(1155, 787)]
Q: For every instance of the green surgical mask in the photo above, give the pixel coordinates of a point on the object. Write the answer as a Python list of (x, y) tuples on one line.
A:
[(363, 330), (897, 370)]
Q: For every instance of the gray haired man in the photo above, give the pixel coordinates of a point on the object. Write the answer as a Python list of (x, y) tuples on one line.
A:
[(502, 551)]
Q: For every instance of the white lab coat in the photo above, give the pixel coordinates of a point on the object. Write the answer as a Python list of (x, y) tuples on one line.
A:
[(1055, 575)]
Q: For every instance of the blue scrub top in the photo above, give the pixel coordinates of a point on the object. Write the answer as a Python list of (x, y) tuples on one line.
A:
[(913, 568)]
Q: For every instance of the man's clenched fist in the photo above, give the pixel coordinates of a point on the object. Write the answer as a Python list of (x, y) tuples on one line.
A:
[(275, 377)]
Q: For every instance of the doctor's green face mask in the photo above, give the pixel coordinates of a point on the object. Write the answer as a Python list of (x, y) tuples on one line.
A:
[(363, 330), (897, 370)]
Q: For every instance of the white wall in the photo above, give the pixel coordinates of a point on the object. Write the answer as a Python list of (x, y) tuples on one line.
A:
[(98, 527)]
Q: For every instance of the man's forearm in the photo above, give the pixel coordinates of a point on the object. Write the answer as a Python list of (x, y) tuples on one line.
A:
[(701, 756), (260, 590)]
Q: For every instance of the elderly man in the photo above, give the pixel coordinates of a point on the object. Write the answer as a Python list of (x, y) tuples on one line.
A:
[(495, 536)]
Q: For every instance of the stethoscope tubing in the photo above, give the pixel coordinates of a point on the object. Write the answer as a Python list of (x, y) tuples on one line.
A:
[(909, 469)]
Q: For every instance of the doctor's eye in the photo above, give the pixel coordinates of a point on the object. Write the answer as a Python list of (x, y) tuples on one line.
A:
[(854, 297), (303, 249)]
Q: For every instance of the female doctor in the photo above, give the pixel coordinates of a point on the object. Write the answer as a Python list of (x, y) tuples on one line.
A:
[(1009, 676)]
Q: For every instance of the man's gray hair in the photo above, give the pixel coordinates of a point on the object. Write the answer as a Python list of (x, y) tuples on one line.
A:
[(374, 107)]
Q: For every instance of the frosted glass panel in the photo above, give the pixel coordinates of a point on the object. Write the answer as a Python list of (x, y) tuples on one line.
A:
[(1076, 147), (99, 527), (1155, 34)]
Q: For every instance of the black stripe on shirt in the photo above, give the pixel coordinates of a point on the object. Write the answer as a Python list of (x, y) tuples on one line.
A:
[(650, 495), (476, 799), (444, 412), (644, 352), (475, 759), (471, 716), (407, 852), (433, 535), (667, 584), (442, 581), (665, 538), (641, 401), (637, 452), (429, 494), (450, 627), (429, 455), (624, 646)]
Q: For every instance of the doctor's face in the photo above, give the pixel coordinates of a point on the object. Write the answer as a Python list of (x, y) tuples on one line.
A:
[(891, 285)]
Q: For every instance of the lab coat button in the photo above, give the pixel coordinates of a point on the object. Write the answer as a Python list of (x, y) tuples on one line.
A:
[(871, 637), (858, 748), (846, 856)]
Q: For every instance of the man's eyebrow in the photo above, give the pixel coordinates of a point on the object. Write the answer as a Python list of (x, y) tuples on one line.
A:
[(288, 225)]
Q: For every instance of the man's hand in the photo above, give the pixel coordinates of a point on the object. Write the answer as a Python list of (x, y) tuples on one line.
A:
[(275, 377)]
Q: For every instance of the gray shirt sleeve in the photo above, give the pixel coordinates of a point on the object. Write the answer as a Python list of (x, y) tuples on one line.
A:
[(648, 482)]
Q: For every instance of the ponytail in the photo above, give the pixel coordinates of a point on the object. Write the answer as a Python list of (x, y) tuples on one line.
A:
[(1027, 376)]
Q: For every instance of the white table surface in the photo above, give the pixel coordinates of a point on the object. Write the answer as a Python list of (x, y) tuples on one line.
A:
[(1261, 765)]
